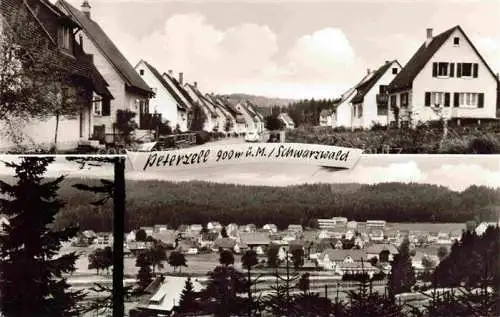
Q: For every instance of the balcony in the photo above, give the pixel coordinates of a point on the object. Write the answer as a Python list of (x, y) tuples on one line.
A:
[(382, 99)]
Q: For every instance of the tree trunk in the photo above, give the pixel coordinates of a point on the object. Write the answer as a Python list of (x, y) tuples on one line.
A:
[(445, 133), (57, 131)]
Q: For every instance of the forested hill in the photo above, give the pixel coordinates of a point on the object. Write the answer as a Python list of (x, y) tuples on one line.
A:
[(157, 202), (260, 101)]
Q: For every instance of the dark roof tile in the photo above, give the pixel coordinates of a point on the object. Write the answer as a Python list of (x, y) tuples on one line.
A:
[(180, 103), (364, 87)]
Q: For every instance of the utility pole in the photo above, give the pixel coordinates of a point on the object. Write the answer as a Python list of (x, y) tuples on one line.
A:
[(118, 238)]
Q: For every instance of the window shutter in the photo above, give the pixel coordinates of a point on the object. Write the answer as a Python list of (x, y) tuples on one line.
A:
[(480, 100), (106, 107), (474, 70), (446, 99), (456, 99), (434, 69), (427, 99), (452, 69), (459, 70)]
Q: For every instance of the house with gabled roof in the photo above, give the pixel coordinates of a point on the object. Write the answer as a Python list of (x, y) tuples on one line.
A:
[(128, 88), (82, 80), (199, 99), (327, 118), (167, 101), (370, 103), (258, 118), (230, 113), (224, 119), (287, 121), (446, 78), (247, 116)]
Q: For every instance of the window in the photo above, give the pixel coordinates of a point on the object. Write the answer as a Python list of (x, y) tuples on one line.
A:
[(404, 100), (437, 98), (442, 69), (141, 72), (382, 89), (394, 71), (102, 107), (467, 70), (394, 100), (360, 110), (468, 99), (456, 41), (65, 37)]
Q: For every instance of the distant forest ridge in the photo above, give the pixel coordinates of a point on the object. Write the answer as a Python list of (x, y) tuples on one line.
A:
[(159, 202), (260, 101)]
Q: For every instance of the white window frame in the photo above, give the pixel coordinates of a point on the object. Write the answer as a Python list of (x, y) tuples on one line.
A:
[(65, 37), (97, 107), (437, 98), (468, 99)]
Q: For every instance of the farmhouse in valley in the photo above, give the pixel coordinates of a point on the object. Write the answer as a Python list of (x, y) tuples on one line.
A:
[(446, 77), (82, 79), (168, 101), (128, 88)]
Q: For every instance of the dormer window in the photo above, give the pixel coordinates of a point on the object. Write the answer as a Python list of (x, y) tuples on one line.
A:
[(456, 41), (65, 38)]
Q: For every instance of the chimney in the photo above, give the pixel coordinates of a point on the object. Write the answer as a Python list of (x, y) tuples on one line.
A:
[(387, 62), (195, 84), (181, 78), (428, 39), (170, 72), (368, 71), (85, 8)]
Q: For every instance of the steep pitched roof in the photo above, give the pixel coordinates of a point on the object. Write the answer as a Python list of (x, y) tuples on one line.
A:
[(108, 48), (179, 88), (404, 79), (202, 100), (80, 66), (180, 103), (364, 87)]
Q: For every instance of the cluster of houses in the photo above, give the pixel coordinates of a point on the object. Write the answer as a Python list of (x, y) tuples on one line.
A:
[(111, 84), (338, 245), (446, 79)]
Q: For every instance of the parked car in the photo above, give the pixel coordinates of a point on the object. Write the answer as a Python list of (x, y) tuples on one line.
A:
[(252, 136)]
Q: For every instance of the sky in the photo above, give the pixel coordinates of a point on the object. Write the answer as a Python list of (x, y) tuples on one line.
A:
[(292, 49), (456, 172)]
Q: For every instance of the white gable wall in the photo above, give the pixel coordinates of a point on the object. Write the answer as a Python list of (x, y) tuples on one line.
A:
[(370, 115), (485, 82), (344, 112), (163, 103)]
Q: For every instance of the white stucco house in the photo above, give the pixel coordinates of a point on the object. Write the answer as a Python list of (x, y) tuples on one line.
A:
[(447, 72), (167, 101), (327, 118), (369, 105), (249, 124), (129, 90), (84, 80)]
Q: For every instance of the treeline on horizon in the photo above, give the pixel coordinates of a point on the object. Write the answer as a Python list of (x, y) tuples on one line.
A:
[(159, 202), (306, 111)]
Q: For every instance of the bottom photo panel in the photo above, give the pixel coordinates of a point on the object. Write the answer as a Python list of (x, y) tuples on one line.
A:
[(393, 235)]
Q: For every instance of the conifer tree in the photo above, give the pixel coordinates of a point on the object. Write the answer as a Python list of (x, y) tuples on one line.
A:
[(402, 276), (31, 282), (144, 276), (188, 302)]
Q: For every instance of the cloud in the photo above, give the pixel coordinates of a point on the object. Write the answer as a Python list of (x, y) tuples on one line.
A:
[(490, 49), (243, 58)]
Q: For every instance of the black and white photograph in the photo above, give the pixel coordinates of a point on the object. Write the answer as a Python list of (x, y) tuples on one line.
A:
[(386, 76), (51, 263), (249, 158)]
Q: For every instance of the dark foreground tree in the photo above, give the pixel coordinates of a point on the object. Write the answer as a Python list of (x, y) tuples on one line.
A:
[(224, 285), (31, 269), (226, 258), (188, 302), (402, 276)]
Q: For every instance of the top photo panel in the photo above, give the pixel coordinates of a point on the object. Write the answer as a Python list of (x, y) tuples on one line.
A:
[(385, 77)]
